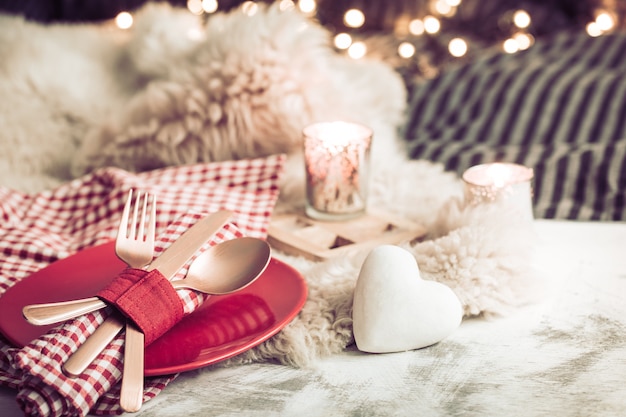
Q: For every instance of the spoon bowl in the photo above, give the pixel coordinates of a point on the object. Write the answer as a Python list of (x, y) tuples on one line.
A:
[(230, 266)]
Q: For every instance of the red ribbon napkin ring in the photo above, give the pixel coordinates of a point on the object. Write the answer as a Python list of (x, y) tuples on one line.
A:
[(147, 298)]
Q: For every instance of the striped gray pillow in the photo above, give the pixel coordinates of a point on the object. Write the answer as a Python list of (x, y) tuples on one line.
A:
[(559, 107)]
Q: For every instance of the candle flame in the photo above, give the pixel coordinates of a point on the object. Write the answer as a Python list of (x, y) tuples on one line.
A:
[(500, 174)]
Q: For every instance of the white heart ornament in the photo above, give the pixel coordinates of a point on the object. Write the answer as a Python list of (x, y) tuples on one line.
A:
[(395, 309)]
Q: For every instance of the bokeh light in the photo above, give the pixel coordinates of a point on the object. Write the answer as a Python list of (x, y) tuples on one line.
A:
[(343, 41), (357, 50), (521, 19), (593, 29), (354, 18), (406, 50), (457, 47), (195, 6), (510, 46), (431, 24), (124, 20), (307, 6), (416, 27), (605, 21)]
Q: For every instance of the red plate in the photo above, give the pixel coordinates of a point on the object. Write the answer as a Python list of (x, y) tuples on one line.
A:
[(224, 326)]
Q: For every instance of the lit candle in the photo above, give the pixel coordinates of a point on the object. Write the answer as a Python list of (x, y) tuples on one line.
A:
[(509, 184), (337, 169)]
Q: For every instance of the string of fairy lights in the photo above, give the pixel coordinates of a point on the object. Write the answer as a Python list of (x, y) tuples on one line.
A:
[(407, 31)]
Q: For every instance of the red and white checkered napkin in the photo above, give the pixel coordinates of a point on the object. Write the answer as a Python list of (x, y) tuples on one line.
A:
[(37, 230)]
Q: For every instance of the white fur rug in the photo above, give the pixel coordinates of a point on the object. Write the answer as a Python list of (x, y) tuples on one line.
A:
[(173, 91)]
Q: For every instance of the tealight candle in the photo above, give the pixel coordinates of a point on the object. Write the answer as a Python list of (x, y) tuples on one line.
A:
[(337, 169), (506, 183)]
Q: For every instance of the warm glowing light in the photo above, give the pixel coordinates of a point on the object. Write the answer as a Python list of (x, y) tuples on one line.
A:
[(416, 27), (249, 7), (307, 6), (124, 20), (593, 29), (431, 24), (357, 50), (524, 40), (442, 7), (343, 40), (354, 18), (195, 6), (521, 19), (510, 46), (605, 21), (499, 174), (209, 6), (406, 50), (453, 3), (457, 47), (285, 5)]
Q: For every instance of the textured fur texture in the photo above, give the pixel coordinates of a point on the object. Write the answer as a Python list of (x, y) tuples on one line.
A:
[(76, 98), (244, 86)]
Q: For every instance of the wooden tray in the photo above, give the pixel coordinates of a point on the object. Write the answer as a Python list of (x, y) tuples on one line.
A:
[(296, 234)]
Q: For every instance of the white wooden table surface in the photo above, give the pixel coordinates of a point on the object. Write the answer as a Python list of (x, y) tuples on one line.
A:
[(564, 356)]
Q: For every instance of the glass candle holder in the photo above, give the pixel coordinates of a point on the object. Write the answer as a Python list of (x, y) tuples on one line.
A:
[(336, 156), (504, 183)]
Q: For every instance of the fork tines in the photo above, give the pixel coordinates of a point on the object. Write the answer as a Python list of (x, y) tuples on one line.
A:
[(136, 228)]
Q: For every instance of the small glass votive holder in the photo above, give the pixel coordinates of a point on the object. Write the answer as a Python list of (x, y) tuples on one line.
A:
[(337, 163), (504, 183)]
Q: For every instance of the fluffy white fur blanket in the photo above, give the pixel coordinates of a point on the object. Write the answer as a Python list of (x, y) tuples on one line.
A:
[(174, 90)]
